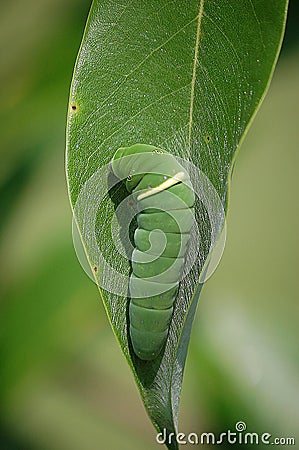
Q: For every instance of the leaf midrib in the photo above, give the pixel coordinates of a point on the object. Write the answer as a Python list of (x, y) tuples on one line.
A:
[(198, 33)]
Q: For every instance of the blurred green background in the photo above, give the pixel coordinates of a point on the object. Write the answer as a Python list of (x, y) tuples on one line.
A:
[(64, 384)]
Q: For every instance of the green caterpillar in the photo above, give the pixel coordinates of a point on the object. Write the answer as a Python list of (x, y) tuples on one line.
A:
[(164, 197)]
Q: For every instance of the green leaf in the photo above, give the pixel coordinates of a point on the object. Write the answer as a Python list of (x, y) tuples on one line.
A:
[(186, 76)]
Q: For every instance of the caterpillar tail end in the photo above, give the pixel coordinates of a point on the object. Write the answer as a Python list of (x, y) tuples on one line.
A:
[(148, 330)]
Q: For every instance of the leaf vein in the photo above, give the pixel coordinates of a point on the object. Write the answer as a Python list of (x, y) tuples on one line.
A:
[(135, 69), (259, 23), (129, 120), (198, 32)]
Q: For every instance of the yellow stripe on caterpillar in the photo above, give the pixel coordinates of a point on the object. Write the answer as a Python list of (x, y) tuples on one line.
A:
[(180, 176)]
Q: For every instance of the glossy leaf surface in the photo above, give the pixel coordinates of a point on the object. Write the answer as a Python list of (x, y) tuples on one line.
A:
[(186, 76)]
